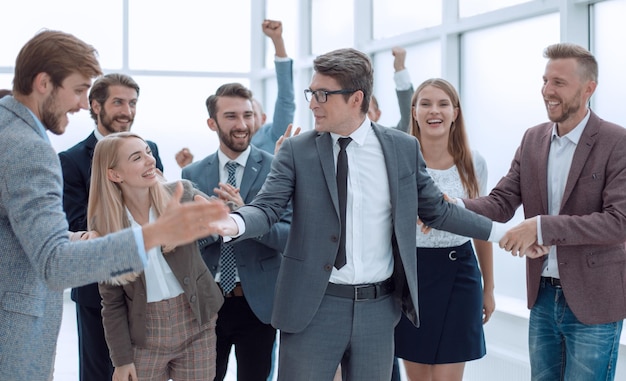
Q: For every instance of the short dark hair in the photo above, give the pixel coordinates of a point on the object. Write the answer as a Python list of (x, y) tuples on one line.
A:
[(226, 90), (100, 89), (57, 54), (351, 68), (4, 93), (586, 61)]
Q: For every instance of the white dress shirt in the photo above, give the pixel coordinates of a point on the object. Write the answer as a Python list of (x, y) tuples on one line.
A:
[(161, 283), (369, 255), (559, 162), (242, 159)]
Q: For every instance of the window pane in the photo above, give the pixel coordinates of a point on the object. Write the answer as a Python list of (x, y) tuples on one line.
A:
[(332, 25), (393, 17), (6, 81), (285, 11), (469, 8), (501, 84), (418, 68), (100, 26), (611, 60), (209, 39)]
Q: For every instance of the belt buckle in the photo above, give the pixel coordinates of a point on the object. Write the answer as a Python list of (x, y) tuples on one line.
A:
[(362, 287)]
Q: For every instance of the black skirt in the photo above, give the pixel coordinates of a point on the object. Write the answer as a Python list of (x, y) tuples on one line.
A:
[(450, 301)]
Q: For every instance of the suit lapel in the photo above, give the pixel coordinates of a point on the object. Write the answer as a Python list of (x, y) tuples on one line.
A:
[(391, 162), (90, 144), (583, 149), (251, 172), (324, 144), (210, 174), (542, 170)]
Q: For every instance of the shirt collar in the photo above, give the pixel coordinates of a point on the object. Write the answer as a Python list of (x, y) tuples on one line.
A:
[(98, 135), (40, 125), (242, 159), (575, 134), (359, 135)]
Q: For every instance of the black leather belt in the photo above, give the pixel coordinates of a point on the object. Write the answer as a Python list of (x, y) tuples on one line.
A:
[(361, 291), (555, 282)]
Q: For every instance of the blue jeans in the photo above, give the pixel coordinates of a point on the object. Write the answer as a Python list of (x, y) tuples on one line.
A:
[(563, 348)]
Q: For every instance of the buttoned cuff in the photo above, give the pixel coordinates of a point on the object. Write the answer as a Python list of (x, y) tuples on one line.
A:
[(241, 225), (402, 80)]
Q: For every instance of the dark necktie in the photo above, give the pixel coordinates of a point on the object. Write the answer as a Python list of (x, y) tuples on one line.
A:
[(342, 190), (228, 265)]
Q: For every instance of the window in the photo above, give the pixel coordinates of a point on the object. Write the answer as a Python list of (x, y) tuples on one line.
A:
[(394, 17), (468, 8), (211, 38), (611, 60), (332, 25), (501, 83)]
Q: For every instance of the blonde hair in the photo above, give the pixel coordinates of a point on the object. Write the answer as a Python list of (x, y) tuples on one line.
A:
[(106, 212), (458, 145)]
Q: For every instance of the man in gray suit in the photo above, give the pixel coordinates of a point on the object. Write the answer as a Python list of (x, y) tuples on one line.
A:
[(53, 73), (244, 319), (342, 285)]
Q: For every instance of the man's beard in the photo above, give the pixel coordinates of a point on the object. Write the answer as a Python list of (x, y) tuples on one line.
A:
[(228, 142), (50, 117), (107, 122)]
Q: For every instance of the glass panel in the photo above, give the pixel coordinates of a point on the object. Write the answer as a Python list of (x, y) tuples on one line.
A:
[(501, 84), (332, 24), (469, 8), (418, 68), (269, 97), (285, 11), (100, 26), (393, 17), (608, 22), (6, 81), (209, 39)]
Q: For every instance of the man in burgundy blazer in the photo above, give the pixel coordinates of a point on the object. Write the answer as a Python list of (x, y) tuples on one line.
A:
[(570, 176)]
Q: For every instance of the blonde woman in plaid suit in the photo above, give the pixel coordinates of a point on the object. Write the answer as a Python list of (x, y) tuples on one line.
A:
[(159, 324)]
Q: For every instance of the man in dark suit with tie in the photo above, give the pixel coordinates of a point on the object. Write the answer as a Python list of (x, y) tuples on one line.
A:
[(112, 101), (247, 270), (337, 306)]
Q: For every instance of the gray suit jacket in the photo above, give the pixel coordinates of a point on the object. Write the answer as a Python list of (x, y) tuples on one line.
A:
[(589, 231), (258, 258), (304, 171), (37, 260)]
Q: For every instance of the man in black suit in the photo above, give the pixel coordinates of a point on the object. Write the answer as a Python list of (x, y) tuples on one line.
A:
[(112, 101)]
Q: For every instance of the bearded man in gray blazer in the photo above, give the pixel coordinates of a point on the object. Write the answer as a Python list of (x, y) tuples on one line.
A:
[(570, 176), (53, 73), (334, 306)]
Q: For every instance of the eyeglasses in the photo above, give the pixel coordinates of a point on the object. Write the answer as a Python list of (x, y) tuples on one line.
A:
[(321, 96)]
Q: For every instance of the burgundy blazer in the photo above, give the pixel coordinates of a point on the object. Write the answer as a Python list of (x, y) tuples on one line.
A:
[(589, 231)]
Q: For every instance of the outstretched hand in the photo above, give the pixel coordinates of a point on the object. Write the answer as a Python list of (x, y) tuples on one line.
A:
[(183, 223), (522, 240)]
